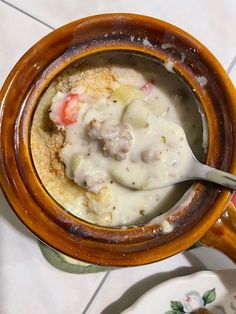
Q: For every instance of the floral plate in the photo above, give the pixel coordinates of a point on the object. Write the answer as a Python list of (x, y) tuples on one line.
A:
[(201, 292)]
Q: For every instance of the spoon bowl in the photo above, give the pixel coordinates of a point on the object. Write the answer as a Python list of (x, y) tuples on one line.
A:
[(167, 160), (203, 172)]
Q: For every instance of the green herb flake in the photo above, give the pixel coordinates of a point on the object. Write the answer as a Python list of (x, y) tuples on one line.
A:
[(141, 212), (163, 139)]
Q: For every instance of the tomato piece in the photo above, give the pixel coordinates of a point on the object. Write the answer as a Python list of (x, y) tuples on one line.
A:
[(148, 86), (69, 109)]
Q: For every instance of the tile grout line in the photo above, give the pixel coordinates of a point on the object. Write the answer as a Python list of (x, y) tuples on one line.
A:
[(232, 64), (96, 292), (28, 14)]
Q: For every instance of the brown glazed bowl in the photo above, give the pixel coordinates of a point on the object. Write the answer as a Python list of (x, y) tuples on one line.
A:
[(118, 246)]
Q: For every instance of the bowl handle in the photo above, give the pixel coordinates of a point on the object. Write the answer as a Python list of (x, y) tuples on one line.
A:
[(222, 235)]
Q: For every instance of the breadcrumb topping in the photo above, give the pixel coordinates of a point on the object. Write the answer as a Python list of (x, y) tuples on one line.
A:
[(47, 140)]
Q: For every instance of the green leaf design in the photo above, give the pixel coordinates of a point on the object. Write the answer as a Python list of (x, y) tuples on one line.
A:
[(177, 306), (209, 296), (232, 306)]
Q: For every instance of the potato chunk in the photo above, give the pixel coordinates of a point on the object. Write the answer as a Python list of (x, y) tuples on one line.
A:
[(102, 202), (137, 114), (157, 107), (126, 93)]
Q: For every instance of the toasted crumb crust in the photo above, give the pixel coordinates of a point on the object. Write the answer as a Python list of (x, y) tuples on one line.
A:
[(99, 79), (47, 140)]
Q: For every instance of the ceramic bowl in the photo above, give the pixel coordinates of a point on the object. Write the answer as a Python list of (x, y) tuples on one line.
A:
[(42, 214)]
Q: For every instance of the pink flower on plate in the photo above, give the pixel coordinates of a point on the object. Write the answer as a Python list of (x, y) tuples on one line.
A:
[(192, 301)]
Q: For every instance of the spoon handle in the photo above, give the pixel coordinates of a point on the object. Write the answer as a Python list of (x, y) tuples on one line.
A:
[(220, 177)]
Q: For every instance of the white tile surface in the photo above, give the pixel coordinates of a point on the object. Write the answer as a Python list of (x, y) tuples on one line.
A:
[(232, 73), (18, 33), (123, 287), (212, 22), (28, 284), (24, 273)]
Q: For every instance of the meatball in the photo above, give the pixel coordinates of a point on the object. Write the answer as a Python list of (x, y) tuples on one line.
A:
[(115, 138)]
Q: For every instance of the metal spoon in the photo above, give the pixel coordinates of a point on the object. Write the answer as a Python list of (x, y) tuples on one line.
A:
[(143, 177), (199, 172)]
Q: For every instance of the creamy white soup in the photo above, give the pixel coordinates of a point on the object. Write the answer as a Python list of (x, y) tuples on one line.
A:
[(118, 119)]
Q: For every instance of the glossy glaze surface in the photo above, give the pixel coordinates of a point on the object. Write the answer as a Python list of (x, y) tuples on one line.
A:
[(222, 235)]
